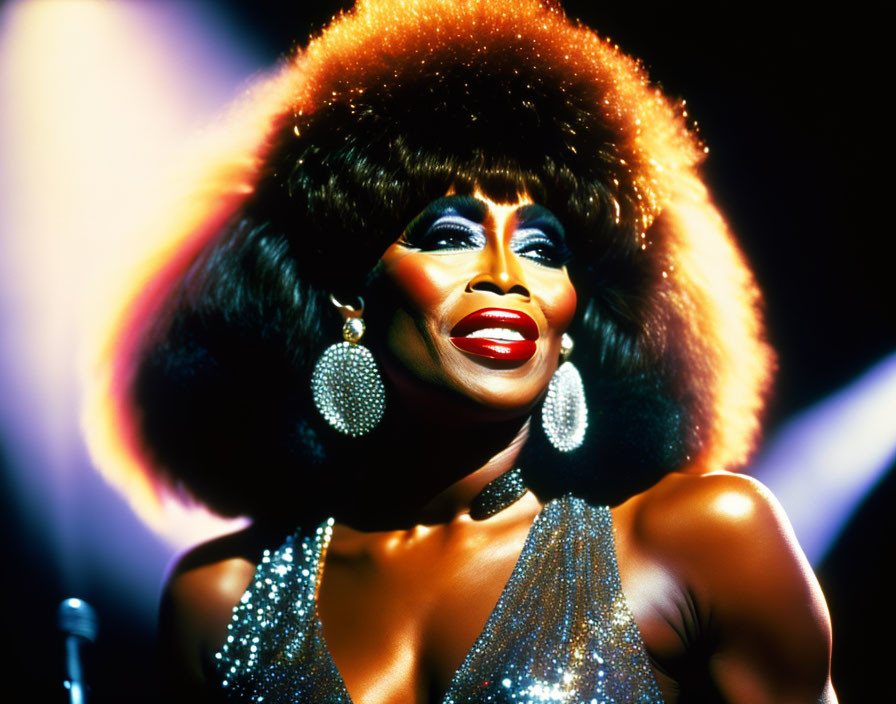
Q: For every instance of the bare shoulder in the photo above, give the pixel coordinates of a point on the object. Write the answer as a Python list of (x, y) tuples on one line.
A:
[(725, 535), (220, 569), (196, 606), (728, 544), (712, 509)]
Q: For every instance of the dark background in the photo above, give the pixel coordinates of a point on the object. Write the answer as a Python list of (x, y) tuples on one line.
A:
[(791, 104)]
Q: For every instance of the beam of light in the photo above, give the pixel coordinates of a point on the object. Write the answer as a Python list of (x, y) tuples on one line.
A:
[(213, 179), (98, 100), (822, 463)]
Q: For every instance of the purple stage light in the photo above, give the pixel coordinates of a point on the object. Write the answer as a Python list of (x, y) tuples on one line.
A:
[(822, 463), (99, 101)]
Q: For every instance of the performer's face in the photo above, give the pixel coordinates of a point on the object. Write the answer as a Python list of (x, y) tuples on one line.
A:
[(483, 298)]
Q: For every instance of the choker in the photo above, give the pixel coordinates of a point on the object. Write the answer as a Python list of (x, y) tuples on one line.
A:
[(498, 494)]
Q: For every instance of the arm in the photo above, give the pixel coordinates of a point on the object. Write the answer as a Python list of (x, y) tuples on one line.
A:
[(762, 618), (195, 608)]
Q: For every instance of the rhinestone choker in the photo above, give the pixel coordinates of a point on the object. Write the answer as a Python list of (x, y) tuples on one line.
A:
[(498, 494)]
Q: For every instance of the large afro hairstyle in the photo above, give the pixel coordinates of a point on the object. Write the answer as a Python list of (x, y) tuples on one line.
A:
[(204, 381)]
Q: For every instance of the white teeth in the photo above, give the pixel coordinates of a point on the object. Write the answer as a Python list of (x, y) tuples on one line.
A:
[(505, 334)]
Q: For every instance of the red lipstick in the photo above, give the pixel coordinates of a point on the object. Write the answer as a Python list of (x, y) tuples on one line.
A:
[(496, 333)]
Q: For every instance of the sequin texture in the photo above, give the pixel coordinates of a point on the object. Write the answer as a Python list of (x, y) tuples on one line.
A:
[(564, 414), (560, 632), (347, 387), (498, 494)]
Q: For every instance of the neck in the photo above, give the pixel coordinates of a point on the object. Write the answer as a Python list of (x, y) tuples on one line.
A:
[(430, 474)]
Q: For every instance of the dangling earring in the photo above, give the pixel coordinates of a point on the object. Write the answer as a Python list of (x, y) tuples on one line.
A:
[(564, 414), (346, 384)]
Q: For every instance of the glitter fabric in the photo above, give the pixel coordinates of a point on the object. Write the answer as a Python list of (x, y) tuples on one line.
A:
[(561, 631), (274, 650), (498, 494)]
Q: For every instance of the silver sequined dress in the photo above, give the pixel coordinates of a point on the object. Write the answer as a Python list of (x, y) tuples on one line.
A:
[(560, 632)]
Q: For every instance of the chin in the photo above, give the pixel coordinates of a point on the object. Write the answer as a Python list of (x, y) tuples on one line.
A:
[(445, 380), (463, 395), (504, 406), (509, 388), (500, 391)]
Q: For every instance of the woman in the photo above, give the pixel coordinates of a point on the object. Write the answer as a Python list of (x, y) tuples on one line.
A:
[(465, 189)]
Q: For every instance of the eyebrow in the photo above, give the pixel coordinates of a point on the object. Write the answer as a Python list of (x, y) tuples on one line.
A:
[(465, 206), (475, 210), (533, 213)]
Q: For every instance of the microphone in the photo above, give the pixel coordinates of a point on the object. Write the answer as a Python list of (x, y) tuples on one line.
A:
[(78, 622)]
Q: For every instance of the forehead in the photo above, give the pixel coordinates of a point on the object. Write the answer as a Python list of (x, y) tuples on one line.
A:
[(504, 210), (504, 216), (478, 207)]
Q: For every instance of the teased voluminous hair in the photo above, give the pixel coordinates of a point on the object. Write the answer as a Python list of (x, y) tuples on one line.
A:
[(205, 383)]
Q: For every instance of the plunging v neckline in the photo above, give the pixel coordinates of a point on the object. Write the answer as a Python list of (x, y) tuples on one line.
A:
[(561, 629), (481, 641)]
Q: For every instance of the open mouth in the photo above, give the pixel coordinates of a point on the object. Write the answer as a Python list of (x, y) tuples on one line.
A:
[(496, 333)]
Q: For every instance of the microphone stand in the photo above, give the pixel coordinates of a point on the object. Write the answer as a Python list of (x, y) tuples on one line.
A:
[(78, 622)]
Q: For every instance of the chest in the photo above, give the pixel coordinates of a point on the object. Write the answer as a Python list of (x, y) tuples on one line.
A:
[(411, 611), (349, 630)]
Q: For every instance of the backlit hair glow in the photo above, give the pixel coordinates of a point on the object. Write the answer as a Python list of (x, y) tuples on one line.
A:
[(696, 311)]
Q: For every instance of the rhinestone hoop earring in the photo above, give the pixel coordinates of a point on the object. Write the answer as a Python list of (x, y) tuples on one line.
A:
[(346, 384), (564, 414)]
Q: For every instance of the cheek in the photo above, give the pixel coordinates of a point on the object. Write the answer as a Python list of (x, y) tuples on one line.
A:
[(420, 290), (559, 305), (422, 286), (422, 293)]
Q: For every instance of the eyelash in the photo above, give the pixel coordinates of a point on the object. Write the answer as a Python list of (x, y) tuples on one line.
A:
[(462, 235), (539, 248), (458, 229)]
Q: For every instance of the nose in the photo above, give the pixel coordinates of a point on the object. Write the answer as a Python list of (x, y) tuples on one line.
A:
[(501, 273)]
